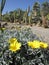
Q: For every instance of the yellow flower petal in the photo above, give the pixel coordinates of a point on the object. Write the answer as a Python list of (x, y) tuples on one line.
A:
[(30, 43), (14, 47), (12, 40), (34, 44), (43, 45)]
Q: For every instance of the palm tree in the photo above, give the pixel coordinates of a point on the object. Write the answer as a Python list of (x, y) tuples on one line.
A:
[(2, 7)]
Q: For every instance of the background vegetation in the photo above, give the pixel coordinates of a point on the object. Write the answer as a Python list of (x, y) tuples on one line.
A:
[(38, 14)]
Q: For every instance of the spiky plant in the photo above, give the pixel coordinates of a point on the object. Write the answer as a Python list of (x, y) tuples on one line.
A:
[(2, 4)]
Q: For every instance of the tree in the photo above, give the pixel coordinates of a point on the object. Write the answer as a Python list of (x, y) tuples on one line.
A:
[(44, 13), (36, 13), (48, 17), (36, 9), (2, 7), (45, 8)]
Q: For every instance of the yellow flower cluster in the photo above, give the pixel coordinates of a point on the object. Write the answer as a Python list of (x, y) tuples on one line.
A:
[(14, 45), (37, 44)]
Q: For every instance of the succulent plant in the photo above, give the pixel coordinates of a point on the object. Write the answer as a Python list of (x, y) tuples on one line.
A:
[(26, 55), (2, 4)]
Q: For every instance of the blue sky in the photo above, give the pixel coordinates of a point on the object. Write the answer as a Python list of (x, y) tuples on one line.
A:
[(15, 4)]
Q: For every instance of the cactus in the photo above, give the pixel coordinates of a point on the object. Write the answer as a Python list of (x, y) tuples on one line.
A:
[(2, 4), (25, 17)]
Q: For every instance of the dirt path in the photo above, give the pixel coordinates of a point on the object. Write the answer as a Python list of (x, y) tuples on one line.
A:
[(41, 32)]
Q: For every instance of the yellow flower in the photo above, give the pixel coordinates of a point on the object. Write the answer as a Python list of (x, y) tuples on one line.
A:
[(30, 43), (37, 44), (12, 40), (34, 44), (15, 47), (43, 45), (3, 29)]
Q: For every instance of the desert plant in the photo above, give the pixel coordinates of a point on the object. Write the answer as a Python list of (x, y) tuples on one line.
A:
[(14, 49), (2, 6), (44, 13)]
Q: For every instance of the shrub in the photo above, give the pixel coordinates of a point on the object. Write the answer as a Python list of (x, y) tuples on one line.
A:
[(23, 54)]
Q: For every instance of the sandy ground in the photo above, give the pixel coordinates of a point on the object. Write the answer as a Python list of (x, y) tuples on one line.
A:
[(39, 31)]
